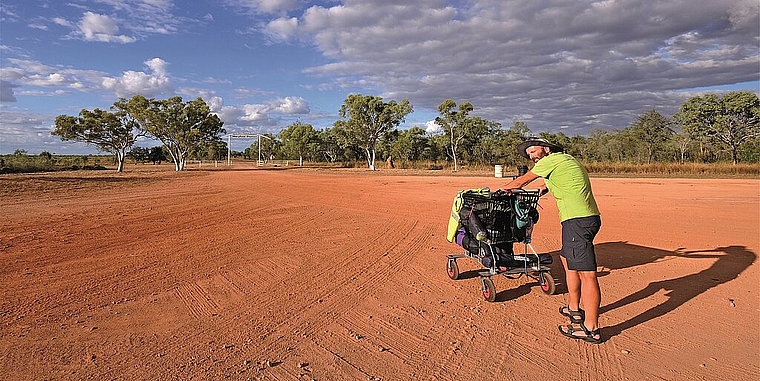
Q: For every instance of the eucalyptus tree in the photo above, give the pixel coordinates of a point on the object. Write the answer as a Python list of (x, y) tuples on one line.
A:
[(265, 149), (411, 144), (369, 118), (653, 130), (112, 132), (730, 120), (297, 139), (329, 145), (181, 126), (457, 125)]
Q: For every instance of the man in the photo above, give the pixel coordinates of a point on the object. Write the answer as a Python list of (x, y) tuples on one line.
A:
[(568, 182)]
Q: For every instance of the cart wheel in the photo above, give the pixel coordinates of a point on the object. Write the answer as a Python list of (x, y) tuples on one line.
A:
[(489, 291), (547, 283), (452, 269)]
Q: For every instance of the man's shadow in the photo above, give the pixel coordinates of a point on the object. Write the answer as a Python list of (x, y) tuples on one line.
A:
[(730, 262)]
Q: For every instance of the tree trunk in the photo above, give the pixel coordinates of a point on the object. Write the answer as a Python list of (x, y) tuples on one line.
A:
[(454, 156), (370, 159), (120, 156)]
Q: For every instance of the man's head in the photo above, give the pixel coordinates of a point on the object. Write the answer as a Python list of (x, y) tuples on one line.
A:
[(536, 148)]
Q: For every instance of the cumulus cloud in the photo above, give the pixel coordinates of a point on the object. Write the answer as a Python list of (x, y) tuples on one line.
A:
[(555, 63), (261, 115), (35, 77), (146, 84), (27, 73), (288, 105), (281, 29), (431, 127), (101, 28)]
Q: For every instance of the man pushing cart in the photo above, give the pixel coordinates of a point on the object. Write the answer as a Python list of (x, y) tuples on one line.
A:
[(579, 215)]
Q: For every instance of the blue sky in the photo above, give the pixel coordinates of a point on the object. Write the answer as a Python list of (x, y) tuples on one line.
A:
[(559, 65)]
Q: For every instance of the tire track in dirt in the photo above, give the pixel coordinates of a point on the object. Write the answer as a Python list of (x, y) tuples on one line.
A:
[(274, 291), (336, 303), (197, 300)]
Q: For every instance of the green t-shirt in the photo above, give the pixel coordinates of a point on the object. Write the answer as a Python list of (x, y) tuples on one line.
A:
[(568, 181)]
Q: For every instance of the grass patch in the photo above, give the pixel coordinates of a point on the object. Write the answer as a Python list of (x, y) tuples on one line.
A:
[(21, 163)]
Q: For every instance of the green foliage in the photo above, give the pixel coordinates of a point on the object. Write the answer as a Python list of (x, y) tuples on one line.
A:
[(652, 132), (329, 145), (298, 141), (724, 122), (110, 132), (183, 127), (368, 119), (706, 129), (456, 124), (210, 150), (271, 148)]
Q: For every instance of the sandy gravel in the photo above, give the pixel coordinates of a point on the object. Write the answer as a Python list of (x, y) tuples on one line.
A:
[(301, 274)]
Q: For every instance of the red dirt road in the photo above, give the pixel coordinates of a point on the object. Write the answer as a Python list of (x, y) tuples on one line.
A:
[(340, 275)]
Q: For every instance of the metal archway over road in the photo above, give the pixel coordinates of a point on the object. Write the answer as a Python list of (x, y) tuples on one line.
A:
[(244, 136)]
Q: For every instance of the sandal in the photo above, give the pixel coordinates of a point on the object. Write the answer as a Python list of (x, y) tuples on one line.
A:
[(576, 317), (593, 337)]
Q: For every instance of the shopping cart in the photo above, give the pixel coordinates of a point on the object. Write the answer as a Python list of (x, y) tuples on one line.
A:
[(490, 225)]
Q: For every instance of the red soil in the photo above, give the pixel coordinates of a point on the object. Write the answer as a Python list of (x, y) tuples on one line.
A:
[(340, 275)]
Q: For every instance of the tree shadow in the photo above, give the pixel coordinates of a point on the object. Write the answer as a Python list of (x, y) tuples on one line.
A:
[(730, 262)]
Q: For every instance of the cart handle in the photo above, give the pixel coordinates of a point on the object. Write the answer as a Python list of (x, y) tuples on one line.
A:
[(521, 190)]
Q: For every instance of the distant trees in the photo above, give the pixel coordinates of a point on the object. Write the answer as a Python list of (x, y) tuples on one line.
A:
[(369, 118), (653, 131), (181, 126), (728, 121), (265, 149), (111, 132), (455, 124), (706, 128), (299, 140), (471, 140)]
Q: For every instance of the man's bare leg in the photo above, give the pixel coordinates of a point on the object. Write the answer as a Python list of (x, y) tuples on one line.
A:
[(573, 283), (591, 298)]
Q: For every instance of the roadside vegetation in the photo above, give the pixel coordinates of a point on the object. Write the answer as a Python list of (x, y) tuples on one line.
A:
[(709, 135)]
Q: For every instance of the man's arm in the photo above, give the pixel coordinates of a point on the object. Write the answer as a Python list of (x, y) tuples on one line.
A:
[(521, 181)]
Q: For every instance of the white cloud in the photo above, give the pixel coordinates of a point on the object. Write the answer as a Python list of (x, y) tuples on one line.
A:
[(260, 115), (281, 29), (431, 127), (288, 105), (101, 28), (147, 84), (215, 104), (560, 63), (63, 22)]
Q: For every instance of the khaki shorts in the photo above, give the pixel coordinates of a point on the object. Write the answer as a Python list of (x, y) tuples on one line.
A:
[(578, 242)]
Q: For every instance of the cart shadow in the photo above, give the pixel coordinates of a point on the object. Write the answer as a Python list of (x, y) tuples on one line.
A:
[(515, 293), (505, 295), (730, 261), (470, 274)]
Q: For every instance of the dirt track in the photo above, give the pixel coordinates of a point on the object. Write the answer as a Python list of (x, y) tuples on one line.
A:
[(340, 275)]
